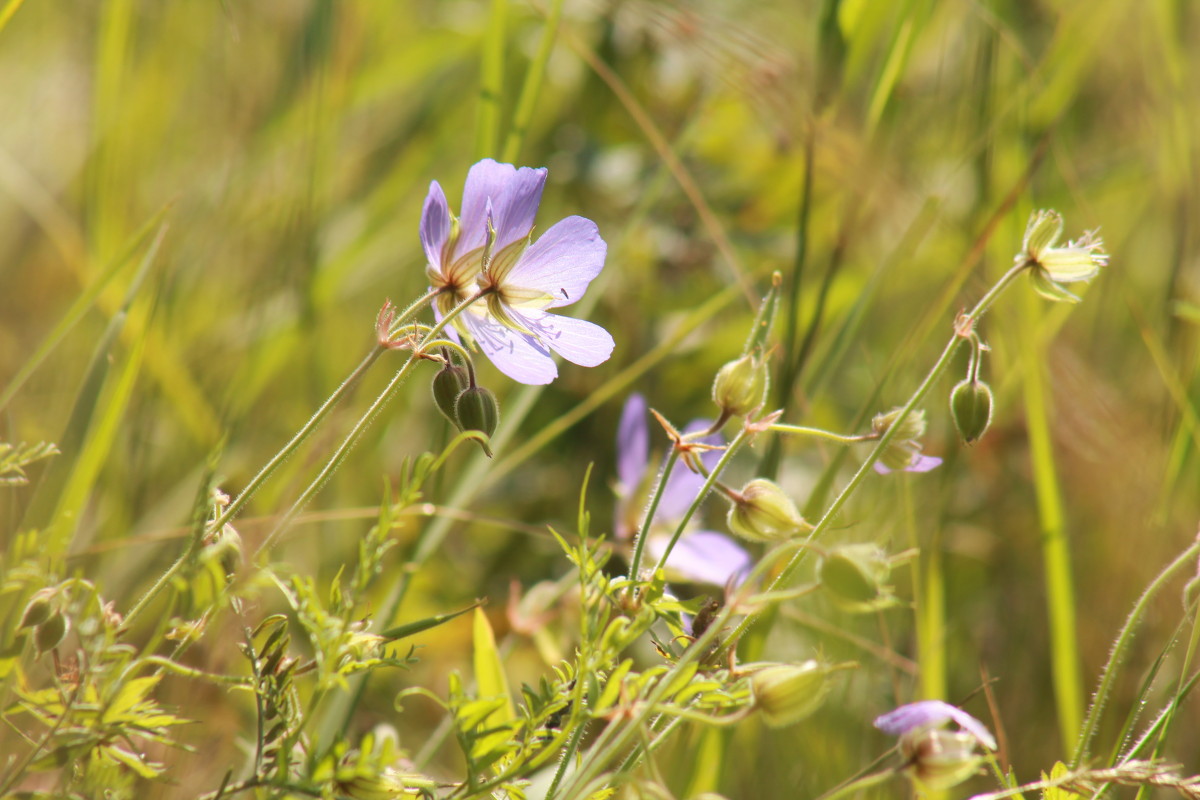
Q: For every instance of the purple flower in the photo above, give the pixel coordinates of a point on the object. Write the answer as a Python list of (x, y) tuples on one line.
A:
[(930, 714), (699, 556), (903, 453), (919, 463), (489, 249)]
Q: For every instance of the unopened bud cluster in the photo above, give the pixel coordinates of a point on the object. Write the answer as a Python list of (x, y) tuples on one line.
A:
[(469, 407), (43, 613)]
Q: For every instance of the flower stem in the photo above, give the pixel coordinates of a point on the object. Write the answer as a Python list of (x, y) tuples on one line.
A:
[(1121, 645), (639, 546), (711, 481), (965, 322), (236, 505), (801, 430), (360, 427)]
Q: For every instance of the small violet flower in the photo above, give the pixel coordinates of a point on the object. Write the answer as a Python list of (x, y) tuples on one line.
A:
[(489, 249), (931, 714), (904, 451), (934, 758), (699, 556), (1050, 266)]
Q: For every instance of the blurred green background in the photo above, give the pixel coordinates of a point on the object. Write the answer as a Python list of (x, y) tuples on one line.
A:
[(291, 145)]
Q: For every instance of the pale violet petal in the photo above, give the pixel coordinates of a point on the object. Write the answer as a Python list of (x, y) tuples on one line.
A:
[(577, 340), (633, 443), (920, 463), (516, 355), (563, 261), (514, 194), (930, 713), (435, 225), (923, 463), (703, 557)]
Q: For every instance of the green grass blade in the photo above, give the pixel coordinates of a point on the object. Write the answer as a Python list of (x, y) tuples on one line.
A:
[(78, 308), (491, 82), (49, 500), (1056, 554), (527, 102)]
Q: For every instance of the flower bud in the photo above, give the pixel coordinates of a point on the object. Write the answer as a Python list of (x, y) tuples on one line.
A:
[(939, 758), (37, 609), (477, 410), (971, 409), (50, 633), (448, 384), (761, 512), (740, 385), (787, 693), (854, 573)]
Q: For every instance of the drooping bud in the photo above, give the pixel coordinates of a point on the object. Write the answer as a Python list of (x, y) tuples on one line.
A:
[(761, 512), (37, 609), (788, 693), (971, 409), (477, 410), (940, 759), (854, 574), (448, 384), (741, 385), (50, 633)]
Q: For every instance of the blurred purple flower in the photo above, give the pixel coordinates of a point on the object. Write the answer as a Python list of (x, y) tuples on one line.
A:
[(920, 463), (699, 556), (930, 714), (511, 325)]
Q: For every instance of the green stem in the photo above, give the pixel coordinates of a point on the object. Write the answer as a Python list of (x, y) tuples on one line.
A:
[(360, 427), (639, 545), (965, 322), (711, 481), (801, 430), (234, 507), (1117, 653)]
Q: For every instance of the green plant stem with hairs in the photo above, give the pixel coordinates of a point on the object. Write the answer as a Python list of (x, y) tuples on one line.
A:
[(296, 441), (965, 322)]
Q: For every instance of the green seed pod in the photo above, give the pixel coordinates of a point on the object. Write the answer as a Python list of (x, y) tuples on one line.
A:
[(477, 410), (740, 385), (448, 384), (50, 633), (971, 409), (37, 609), (787, 693), (854, 574), (761, 512)]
